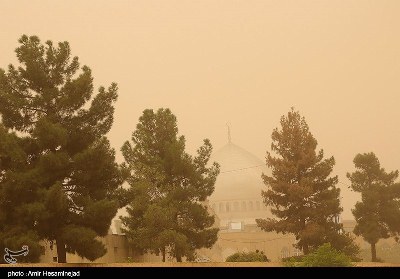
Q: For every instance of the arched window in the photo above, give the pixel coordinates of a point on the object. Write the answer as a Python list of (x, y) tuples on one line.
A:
[(284, 253), (263, 207), (228, 207), (221, 207), (236, 206), (251, 206), (244, 207)]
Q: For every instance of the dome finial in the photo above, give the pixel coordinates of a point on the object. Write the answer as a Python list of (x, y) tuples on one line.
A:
[(229, 133)]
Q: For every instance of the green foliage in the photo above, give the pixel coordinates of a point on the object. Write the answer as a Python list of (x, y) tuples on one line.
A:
[(256, 256), (345, 242), (301, 193), (326, 256), (378, 214), (167, 209), (58, 171), (16, 237), (293, 261)]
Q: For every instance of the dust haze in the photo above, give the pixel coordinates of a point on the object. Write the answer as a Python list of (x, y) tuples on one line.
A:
[(239, 62)]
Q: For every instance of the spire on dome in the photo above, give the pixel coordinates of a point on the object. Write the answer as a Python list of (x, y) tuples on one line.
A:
[(229, 133)]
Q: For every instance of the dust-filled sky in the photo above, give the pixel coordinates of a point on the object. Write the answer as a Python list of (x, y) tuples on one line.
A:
[(243, 62)]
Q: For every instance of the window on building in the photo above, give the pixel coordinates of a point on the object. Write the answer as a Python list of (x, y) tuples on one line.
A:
[(221, 207), (236, 206), (251, 206), (244, 207), (257, 205), (227, 207), (296, 252), (237, 226), (284, 253)]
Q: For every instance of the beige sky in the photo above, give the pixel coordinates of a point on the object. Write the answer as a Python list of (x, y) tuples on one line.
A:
[(244, 62)]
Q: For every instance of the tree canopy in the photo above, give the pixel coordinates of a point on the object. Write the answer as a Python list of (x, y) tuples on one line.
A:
[(58, 176), (378, 213), (300, 192), (168, 189)]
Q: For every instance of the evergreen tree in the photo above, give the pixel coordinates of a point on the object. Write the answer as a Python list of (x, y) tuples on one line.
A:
[(59, 180), (14, 234), (300, 192), (378, 214), (169, 188)]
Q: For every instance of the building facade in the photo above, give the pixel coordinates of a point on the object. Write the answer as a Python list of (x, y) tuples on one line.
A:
[(236, 203)]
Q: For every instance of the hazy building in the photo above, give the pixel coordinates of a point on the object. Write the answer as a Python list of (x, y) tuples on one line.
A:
[(237, 202), (237, 195)]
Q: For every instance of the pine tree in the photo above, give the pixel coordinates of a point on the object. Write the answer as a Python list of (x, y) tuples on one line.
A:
[(169, 188), (14, 234), (378, 214), (300, 192), (59, 180)]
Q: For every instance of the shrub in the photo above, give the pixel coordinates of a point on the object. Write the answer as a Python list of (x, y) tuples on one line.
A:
[(256, 256), (292, 261), (326, 256)]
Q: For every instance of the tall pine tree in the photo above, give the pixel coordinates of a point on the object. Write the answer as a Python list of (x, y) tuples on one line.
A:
[(169, 188), (300, 192), (58, 179), (378, 214), (14, 233)]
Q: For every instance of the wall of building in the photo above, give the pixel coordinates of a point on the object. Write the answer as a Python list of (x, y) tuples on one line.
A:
[(248, 238), (117, 251)]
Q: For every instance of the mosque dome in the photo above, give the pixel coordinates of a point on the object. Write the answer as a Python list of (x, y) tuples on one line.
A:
[(237, 194)]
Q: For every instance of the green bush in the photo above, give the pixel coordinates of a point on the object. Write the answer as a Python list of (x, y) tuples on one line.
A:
[(325, 256), (292, 261), (293, 258), (256, 256)]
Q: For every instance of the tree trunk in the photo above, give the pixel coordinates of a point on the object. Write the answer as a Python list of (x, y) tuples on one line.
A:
[(306, 250), (373, 252), (178, 258), (305, 246), (61, 251), (163, 254)]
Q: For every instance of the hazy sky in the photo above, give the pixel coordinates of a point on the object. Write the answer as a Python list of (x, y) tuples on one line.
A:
[(243, 62)]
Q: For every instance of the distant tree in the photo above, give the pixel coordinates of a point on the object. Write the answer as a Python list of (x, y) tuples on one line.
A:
[(167, 211), (378, 214), (256, 256), (300, 192), (58, 176)]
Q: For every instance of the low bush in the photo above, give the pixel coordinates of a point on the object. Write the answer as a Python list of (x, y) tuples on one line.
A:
[(256, 256)]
